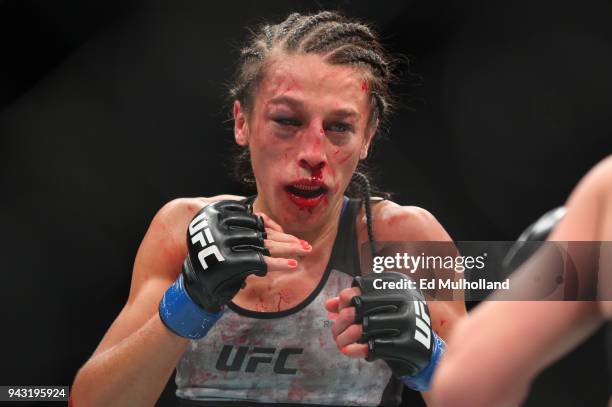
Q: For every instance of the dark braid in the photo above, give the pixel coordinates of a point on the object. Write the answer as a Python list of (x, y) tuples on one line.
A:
[(366, 195), (306, 25), (339, 33), (248, 53), (379, 104), (287, 25), (353, 54), (269, 35)]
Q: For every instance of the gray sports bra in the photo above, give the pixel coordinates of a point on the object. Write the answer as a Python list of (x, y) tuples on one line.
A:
[(287, 357)]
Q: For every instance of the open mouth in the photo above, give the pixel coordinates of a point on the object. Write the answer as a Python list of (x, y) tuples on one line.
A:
[(306, 194), (306, 191)]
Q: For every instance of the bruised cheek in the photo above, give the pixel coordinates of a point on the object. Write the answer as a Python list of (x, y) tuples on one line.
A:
[(344, 155), (267, 155), (344, 158), (341, 166)]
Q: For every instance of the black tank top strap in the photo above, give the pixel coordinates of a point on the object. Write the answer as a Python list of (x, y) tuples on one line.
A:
[(609, 353), (345, 254)]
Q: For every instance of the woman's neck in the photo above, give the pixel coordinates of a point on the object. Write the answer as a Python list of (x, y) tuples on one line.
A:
[(319, 236)]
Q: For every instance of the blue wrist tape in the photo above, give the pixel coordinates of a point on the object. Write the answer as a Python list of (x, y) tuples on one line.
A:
[(422, 380), (183, 316)]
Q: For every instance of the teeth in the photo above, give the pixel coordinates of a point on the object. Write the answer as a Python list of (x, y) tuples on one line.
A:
[(306, 187)]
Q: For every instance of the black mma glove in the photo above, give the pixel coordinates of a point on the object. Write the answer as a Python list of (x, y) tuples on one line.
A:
[(397, 327), (225, 245)]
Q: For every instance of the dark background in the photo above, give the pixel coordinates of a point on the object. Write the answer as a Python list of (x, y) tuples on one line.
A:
[(109, 109)]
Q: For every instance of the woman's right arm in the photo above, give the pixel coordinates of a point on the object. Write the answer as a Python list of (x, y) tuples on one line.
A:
[(134, 360)]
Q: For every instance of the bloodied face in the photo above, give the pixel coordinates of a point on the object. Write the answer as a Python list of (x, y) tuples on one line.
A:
[(307, 129)]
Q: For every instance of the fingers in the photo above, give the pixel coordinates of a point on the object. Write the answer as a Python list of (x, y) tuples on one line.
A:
[(346, 318), (281, 244), (355, 350), (345, 297), (346, 333), (331, 305), (282, 237), (350, 335), (269, 223), (280, 264), (287, 249)]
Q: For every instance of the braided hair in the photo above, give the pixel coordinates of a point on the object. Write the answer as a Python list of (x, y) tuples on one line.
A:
[(340, 41)]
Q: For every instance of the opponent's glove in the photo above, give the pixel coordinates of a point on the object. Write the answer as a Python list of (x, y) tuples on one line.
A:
[(225, 245), (397, 328)]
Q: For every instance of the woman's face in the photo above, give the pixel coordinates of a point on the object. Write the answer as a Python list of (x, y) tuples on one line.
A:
[(306, 132)]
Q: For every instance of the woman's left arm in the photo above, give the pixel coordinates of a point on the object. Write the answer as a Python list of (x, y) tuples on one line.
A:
[(410, 223), (400, 224)]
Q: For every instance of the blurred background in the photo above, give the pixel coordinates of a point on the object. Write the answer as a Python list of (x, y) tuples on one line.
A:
[(109, 109)]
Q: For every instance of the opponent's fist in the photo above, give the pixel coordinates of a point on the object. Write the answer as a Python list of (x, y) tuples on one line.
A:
[(397, 327), (225, 245)]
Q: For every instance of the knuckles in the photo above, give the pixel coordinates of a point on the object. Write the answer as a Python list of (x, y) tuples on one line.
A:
[(347, 314), (347, 295), (350, 335)]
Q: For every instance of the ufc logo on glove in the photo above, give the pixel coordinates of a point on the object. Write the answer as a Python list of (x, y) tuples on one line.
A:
[(205, 239), (422, 332)]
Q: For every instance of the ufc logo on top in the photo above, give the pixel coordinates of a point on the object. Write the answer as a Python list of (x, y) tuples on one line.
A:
[(205, 239)]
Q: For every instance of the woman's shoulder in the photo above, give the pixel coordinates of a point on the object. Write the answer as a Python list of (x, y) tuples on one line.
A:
[(164, 242), (393, 221), (185, 207), (175, 215)]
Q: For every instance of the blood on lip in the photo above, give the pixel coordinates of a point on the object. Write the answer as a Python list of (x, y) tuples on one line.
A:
[(313, 183), (305, 203)]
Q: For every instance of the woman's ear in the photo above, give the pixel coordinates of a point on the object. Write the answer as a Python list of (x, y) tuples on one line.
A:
[(365, 147), (241, 127)]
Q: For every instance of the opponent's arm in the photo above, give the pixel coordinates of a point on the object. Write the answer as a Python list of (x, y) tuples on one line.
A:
[(513, 339), (519, 339), (589, 217)]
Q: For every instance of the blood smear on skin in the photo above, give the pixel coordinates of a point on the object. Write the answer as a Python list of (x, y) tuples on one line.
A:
[(317, 174), (343, 159), (296, 393)]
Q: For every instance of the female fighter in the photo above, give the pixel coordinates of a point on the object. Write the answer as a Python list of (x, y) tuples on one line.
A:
[(230, 291), (492, 338)]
